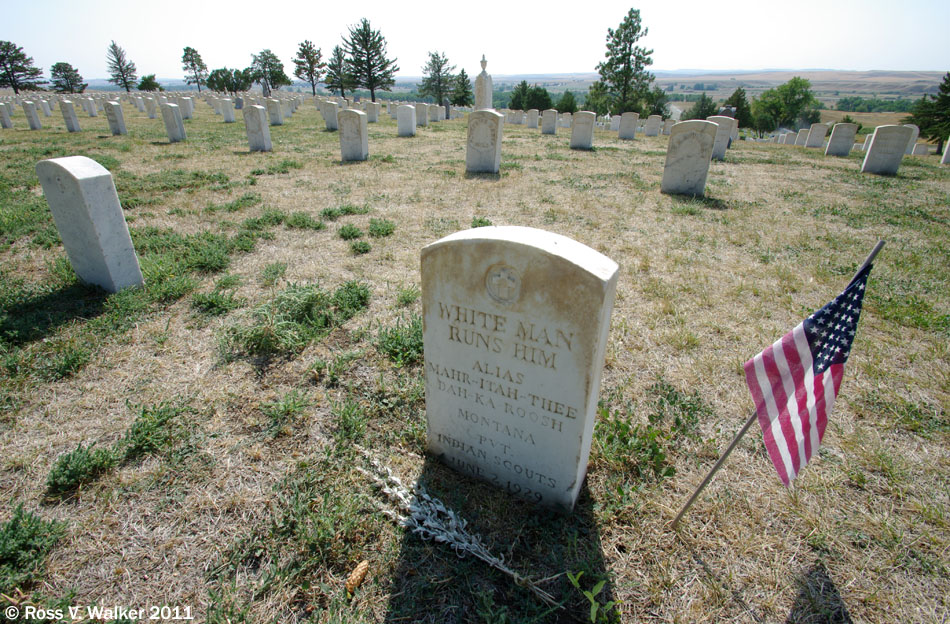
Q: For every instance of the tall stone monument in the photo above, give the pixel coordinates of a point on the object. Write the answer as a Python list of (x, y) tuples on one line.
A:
[(515, 331), (483, 89)]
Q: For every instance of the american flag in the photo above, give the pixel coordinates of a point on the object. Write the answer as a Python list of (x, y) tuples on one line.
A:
[(795, 381)]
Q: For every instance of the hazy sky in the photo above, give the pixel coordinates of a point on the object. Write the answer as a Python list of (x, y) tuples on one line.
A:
[(517, 36)]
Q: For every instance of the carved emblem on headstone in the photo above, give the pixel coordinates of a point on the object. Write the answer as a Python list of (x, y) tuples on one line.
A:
[(503, 283)]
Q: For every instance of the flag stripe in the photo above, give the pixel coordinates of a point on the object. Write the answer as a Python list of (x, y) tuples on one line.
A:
[(777, 392), (786, 359), (755, 375)]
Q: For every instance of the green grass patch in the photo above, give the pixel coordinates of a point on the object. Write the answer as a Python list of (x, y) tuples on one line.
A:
[(272, 272), (478, 222), (77, 467), (408, 296), (25, 542), (283, 412), (360, 247), (295, 316), (247, 200), (303, 221), (379, 228), (349, 232), (402, 344)]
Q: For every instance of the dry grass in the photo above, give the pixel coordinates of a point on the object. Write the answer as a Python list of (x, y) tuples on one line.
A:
[(247, 523)]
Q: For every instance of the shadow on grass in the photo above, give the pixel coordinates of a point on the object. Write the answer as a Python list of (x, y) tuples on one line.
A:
[(818, 600), (432, 583), (704, 201), (483, 176), (40, 316)]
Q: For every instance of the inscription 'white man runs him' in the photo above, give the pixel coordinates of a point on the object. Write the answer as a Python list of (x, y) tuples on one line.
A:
[(488, 331)]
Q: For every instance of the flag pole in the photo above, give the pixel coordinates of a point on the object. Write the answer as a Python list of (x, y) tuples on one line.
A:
[(748, 423)]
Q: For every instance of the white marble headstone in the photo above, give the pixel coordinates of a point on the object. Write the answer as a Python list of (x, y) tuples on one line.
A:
[(406, 120), (628, 125), (354, 135), (688, 156), (483, 147), (85, 206), (258, 130), (886, 151), (582, 130), (515, 330), (549, 121), (841, 140), (816, 135)]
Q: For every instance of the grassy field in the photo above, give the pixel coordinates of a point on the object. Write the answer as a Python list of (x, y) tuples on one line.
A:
[(197, 443)]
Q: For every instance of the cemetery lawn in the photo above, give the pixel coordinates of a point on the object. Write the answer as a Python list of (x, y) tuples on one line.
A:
[(197, 443)]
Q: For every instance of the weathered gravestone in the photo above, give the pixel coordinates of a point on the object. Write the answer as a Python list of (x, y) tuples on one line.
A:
[(483, 147), (688, 156), (722, 135), (115, 118), (69, 116), (816, 135), (187, 107), (239, 103), (433, 111), (912, 141), (841, 140), (173, 124), (44, 106), (91, 107), (515, 329), (483, 89), (615, 123), (274, 113), (532, 118), (151, 106), (668, 126), (422, 114), (82, 197), (565, 120), (945, 160), (802, 137), (582, 131), (921, 149), (32, 118), (628, 126), (258, 131), (372, 111), (354, 135), (329, 111), (227, 110), (549, 121), (886, 151), (652, 127), (406, 120), (5, 121)]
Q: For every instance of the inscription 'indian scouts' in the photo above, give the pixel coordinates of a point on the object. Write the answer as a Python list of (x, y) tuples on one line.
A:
[(515, 324)]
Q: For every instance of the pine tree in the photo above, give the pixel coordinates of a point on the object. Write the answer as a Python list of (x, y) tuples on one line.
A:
[(121, 70), (148, 83), (598, 99), (624, 70), (462, 94), (308, 64), (338, 76), (567, 103), (197, 70), (741, 104), (369, 66), (519, 96), (703, 107), (16, 69), (538, 98), (437, 78), (66, 79), (269, 72), (230, 80), (932, 114)]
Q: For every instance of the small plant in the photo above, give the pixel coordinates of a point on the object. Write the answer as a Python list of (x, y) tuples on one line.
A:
[(350, 420), (360, 247), (478, 222), (215, 303), (156, 429), (402, 344), (349, 232), (282, 412), (351, 209), (332, 371), (379, 228), (408, 296), (66, 363), (303, 221), (77, 467), (599, 611), (273, 272), (25, 541)]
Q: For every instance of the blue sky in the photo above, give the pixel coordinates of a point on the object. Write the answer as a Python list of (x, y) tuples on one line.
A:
[(517, 37)]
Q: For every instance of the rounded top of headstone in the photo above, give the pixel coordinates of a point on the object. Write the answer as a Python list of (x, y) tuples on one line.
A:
[(484, 62)]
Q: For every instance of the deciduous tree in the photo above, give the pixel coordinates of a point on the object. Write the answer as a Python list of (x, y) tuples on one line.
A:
[(17, 70), (269, 72), (230, 80), (369, 66), (437, 80), (308, 65), (197, 70), (66, 79), (121, 70), (624, 69)]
